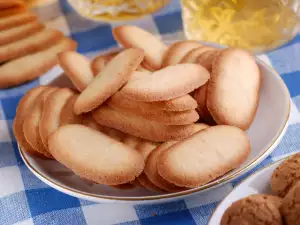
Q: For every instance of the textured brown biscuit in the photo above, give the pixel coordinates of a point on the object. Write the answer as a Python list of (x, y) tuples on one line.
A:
[(151, 169), (21, 70), (51, 114), (206, 59), (146, 183), (200, 97), (12, 11), (67, 116), (31, 44), (183, 103), (32, 121), (191, 57), (204, 156), (147, 111), (77, 68), (95, 156), (5, 4), (16, 33), (179, 79), (290, 208), (17, 20), (178, 50), (27, 102), (101, 61), (140, 127), (254, 210), (146, 147), (286, 175), (131, 141), (110, 80), (233, 89), (132, 36)]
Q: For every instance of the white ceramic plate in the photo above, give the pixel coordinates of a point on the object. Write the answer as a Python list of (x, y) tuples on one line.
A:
[(265, 133), (257, 183)]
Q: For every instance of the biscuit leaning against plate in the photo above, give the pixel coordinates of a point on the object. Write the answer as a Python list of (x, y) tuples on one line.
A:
[(233, 89), (94, 156), (167, 83), (50, 120), (212, 147), (109, 81), (27, 102), (32, 122), (135, 37)]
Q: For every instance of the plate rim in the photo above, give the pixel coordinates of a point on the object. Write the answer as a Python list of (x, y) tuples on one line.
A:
[(213, 184), (245, 179)]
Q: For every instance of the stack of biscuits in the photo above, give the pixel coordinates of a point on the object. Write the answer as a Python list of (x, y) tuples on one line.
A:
[(27, 48), (167, 118), (281, 208)]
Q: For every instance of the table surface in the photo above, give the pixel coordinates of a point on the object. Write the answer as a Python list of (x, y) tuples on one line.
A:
[(26, 200)]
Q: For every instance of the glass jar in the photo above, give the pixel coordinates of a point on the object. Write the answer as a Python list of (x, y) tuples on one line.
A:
[(114, 10), (256, 25)]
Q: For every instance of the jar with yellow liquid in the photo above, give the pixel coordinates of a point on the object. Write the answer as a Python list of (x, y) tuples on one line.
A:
[(116, 10), (256, 25)]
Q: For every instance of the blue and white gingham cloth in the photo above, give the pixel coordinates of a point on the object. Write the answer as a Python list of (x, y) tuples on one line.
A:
[(25, 200)]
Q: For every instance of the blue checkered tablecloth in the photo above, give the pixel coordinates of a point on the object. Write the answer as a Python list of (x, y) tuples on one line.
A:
[(25, 200)]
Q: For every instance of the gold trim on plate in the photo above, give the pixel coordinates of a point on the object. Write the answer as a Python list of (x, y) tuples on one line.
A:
[(216, 183)]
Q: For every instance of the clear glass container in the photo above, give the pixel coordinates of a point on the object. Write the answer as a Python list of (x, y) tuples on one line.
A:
[(114, 10), (256, 25)]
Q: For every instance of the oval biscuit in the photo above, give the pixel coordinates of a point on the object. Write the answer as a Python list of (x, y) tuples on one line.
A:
[(116, 73), (152, 173), (32, 121), (233, 90), (77, 68), (50, 120), (25, 103), (191, 57), (178, 50), (204, 156), (95, 156), (179, 79), (135, 37), (139, 127), (148, 111)]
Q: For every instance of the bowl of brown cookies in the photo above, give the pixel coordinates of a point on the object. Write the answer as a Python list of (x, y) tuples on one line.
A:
[(269, 196), (151, 121)]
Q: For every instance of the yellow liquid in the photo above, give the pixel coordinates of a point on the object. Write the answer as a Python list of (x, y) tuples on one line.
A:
[(114, 10), (255, 25)]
